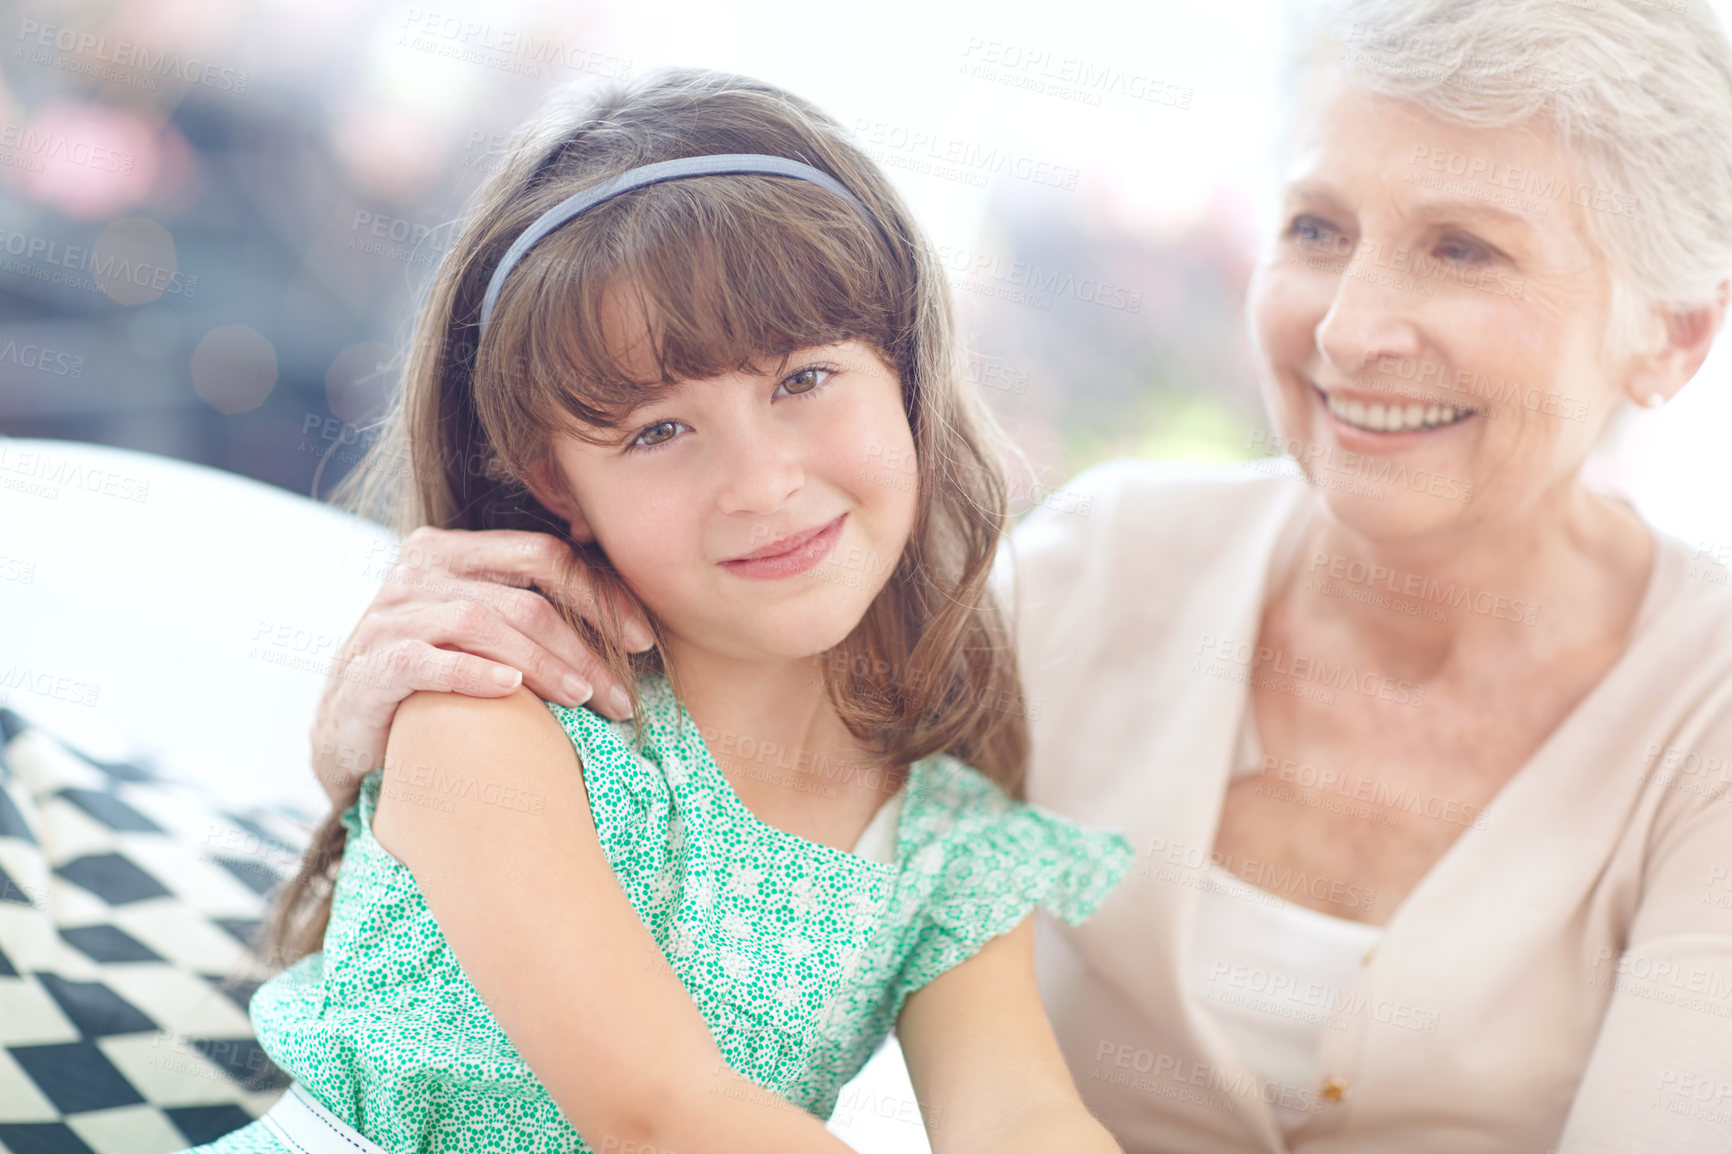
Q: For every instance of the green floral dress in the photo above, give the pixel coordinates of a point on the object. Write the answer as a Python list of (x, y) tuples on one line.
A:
[(798, 955)]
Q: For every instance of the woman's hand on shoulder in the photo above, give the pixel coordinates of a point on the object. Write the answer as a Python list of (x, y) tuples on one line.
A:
[(456, 608), (984, 1063), (484, 801)]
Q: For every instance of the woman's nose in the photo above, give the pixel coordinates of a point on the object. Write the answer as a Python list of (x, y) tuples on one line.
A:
[(1371, 315)]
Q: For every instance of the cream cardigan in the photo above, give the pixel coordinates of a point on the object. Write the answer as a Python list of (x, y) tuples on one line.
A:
[(1561, 980)]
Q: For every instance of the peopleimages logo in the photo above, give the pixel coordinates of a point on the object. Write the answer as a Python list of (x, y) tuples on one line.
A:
[(41, 474), (1032, 284), (1301, 668), (1368, 256), (927, 150), (107, 268), (42, 359), (1067, 77), (1421, 587), (1184, 1073), (34, 37), (1500, 395), (1372, 468), (505, 49), (37, 146), (1502, 175)]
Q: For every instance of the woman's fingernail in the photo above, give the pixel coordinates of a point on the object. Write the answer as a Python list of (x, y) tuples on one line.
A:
[(620, 701), (577, 688), (638, 637), (506, 678)]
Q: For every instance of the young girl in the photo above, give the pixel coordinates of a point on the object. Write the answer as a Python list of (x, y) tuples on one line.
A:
[(691, 326)]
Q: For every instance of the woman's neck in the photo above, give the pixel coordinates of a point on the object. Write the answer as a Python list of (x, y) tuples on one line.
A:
[(1565, 574)]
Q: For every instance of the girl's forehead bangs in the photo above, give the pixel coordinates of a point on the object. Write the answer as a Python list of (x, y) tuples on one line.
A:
[(648, 290)]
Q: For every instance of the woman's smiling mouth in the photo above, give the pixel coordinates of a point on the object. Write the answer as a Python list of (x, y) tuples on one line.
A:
[(1393, 416)]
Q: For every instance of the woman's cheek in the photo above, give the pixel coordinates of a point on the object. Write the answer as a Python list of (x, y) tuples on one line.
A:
[(1284, 327), (1281, 303)]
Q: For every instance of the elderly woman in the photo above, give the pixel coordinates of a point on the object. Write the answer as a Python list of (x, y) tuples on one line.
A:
[(1424, 743)]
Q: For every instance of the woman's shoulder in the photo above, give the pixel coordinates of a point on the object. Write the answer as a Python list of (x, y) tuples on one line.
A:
[(1166, 492), (1682, 639), (1163, 511), (1696, 575), (1133, 540)]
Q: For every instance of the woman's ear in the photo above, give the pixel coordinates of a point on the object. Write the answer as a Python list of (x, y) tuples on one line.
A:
[(547, 486), (1688, 336)]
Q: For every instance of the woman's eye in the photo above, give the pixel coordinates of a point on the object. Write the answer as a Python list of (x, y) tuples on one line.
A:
[(804, 381), (656, 434), (1460, 248), (1314, 233)]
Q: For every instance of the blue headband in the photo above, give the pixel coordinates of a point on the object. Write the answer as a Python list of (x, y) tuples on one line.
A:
[(578, 202)]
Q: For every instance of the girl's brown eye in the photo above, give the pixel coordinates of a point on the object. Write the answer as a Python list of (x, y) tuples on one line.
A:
[(803, 382), (657, 433)]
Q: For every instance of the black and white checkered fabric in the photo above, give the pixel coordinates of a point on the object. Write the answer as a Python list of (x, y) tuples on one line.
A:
[(126, 903)]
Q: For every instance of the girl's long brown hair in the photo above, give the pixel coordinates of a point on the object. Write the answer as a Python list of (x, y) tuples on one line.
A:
[(732, 272)]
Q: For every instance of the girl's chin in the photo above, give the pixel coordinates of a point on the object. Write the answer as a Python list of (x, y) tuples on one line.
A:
[(776, 641)]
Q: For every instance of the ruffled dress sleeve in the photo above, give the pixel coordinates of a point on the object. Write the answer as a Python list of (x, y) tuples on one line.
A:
[(980, 863), (630, 798)]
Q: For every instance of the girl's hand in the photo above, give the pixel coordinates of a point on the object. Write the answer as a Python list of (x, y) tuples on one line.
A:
[(459, 612)]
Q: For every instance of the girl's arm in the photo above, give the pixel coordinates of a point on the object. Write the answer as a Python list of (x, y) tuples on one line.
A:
[(984, 1062), (538, 921)]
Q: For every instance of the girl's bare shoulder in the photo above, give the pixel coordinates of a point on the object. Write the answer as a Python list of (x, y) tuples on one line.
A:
[(496, 731), (484, 763)]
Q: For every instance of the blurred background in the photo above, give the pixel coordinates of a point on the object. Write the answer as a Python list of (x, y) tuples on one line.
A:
[(214, 216)]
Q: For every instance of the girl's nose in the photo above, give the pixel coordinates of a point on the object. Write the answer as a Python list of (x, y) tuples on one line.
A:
[(760, 470)]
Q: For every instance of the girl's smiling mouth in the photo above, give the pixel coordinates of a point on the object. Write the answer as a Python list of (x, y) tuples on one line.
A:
[(790, 556)]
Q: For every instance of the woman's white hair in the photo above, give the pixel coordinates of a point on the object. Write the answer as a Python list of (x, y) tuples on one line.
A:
[(1638, 92)]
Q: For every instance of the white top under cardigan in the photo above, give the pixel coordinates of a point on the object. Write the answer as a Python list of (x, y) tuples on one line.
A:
[(1271, 971), (1560, 979)]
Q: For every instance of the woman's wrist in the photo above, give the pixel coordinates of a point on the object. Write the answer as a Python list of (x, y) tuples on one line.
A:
[(337, 767)]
